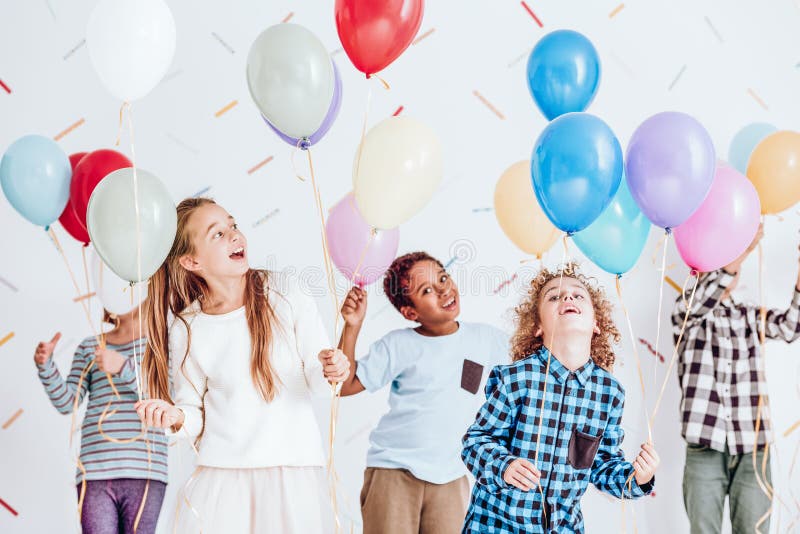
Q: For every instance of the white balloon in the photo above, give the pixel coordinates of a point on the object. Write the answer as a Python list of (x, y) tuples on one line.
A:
[(131, 43), (399, 170), (115, 294), (291, 79)]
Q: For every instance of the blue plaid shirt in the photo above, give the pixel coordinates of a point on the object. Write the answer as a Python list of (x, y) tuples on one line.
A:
[(580, 443)]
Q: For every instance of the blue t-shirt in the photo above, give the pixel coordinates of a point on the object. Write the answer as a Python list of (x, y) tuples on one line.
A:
[(437, 385)]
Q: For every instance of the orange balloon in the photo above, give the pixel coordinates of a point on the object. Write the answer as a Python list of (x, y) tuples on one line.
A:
[(519, 213), (774, 168)]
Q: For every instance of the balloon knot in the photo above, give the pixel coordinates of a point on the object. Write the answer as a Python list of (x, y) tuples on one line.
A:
[(47, 228), (305, 143), (694, 272), (668, 230)]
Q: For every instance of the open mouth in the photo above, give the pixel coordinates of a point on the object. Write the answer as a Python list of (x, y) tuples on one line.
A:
[(450, 304), (569, 309), (237, 254)]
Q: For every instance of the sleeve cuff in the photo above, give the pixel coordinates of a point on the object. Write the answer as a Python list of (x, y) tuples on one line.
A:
[(46, 369), (725, 278), (501, 469), (362, 377), (796, 297)]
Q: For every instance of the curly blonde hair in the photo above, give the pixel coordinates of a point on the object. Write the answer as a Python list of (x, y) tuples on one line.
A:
[(525, 341)]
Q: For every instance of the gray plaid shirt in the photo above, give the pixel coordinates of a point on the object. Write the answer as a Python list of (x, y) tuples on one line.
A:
[(720, 372)]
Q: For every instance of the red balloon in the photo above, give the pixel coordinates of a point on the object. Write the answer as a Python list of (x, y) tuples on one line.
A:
[(88, 173), (69, 219), (375, 32)]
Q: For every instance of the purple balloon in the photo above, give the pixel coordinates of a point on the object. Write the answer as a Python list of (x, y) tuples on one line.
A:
[(360, 260), (330, 117), (669, 166)]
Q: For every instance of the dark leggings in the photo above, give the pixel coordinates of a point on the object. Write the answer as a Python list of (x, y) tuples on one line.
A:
[(110, 506)]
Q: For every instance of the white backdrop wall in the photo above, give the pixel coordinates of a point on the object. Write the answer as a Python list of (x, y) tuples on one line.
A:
[(700, 57)]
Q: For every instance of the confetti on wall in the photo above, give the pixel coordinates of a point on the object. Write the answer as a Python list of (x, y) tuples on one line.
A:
[(450, 262), (12, 419), (616, 10), (489, 105), (84, 297), (74, 49), (288, 17), (677, 77), (225, 45), (9, 285), (757, 98), (226, 109), (266, 217), (8, 507), (505, 284), (260, 164), (481, 210), (673, 284), (6, 338), (532, 14), (652, 350), (202, 191), (69, 129), (714, 30), (423, 36), (181, 143), (397, 111), (6, 88)]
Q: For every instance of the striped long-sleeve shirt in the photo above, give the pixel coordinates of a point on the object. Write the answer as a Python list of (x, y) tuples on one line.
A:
[(103, 459)]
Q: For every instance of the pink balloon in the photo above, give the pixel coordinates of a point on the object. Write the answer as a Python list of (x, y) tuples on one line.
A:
[(723, 226), (359, 259)]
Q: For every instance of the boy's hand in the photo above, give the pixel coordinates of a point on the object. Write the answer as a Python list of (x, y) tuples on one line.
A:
[(44, 350), (108, 361), (335, 365), (355, 307), (646, 464), (522, 474)]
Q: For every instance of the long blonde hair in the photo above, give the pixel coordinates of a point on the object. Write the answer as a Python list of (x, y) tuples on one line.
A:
[(173, 288)]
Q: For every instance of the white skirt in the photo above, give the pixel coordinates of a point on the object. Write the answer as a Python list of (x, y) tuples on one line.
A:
[(263, 500)]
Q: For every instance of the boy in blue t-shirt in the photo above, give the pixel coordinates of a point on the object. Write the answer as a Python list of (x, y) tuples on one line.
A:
[(415, 481)]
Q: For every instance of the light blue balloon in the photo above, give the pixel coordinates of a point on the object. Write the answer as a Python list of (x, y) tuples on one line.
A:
[(563, 73), (576, 169), (616, 239), (35, 175), (745, 141)]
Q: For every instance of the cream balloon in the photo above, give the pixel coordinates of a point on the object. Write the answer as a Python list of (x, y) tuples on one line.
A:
[(519, 213), (399, 169), (115, 294), (131, 44), (112, 223)]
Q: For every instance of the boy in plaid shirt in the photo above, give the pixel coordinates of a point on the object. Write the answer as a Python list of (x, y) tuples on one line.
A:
[(721, 382), (565, 324)]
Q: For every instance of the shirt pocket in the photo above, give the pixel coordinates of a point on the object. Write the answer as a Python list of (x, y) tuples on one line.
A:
[(582, 449), (471, 376)]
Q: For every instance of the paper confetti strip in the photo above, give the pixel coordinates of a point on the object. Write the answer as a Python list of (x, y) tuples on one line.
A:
[(171, 75), (8, 507), (69, 130), (519, 58), (266, 217), (673, 284), (202, 192), (74, 49), (489, 105), (226, 109), (450, 262), (397, 111), (181, 143), (652, 350), (757, 99), (532, 14), (8, 284), (6, 88), (223, 43), (792, 428), (257, 166), (616, 10), (505, 284), (481, 210), (423, 36), (84, 297), (12, 419), (6, 338), (288, 17), (713, 29), (677, 77)]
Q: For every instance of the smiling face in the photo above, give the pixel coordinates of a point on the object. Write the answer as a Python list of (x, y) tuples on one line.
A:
[(219, 249), (433, 294), (568, 310)]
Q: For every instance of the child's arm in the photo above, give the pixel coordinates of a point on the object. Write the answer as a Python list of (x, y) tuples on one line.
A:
[(785, 325), (610, 471), (61, 393), (353, 311), (708, 294), (124, 369), (485, 451)]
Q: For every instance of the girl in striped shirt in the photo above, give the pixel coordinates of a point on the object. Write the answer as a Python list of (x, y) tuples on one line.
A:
[(117, 463)]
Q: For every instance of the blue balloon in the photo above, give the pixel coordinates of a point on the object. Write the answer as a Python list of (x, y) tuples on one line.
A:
[(615, 240), (745, 141), (35, 175), (576, 169), (563, 73)]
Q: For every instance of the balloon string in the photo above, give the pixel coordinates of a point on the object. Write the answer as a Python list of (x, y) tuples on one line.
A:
[(635, 354), (692, 274), (662, 273)]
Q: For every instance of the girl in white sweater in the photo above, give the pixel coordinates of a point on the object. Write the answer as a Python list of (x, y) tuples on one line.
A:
[(245, 351)]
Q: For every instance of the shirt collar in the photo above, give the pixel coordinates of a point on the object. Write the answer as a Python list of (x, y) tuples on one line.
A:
[(561, 373)]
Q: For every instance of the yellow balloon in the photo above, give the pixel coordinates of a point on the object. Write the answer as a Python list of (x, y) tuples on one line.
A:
[(519, 214), (774, 168)]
